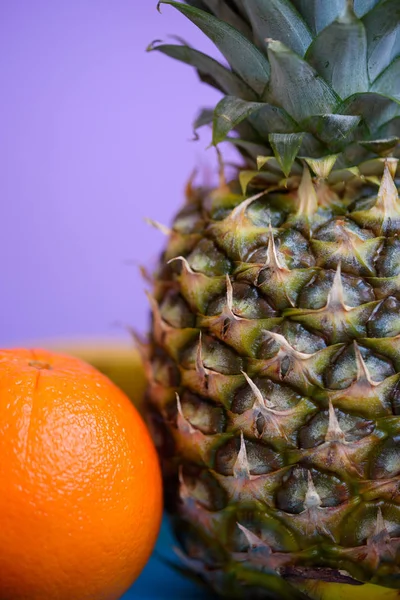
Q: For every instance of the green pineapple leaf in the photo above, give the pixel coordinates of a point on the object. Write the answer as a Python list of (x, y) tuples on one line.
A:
[(209, 69), (388, 83), (295, 85), (383, 147), (319, 13), (228, 113), (285, 148), (262, 160), (278, 19), (339, 54), (205, 117), (223, 11), (375, 109), (245, 59), (390, 129), (322, 166), (361, 7), (272, 119), (332, 129), (197, 4), (382, 24)]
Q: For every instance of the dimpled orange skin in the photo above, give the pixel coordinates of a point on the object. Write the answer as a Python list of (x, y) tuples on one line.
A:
[(80, 486)]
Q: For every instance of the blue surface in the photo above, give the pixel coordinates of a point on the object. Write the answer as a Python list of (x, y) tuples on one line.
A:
[(158, 581)]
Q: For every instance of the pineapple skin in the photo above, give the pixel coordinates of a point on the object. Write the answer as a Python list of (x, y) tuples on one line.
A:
[(274, 385), (274, 358)]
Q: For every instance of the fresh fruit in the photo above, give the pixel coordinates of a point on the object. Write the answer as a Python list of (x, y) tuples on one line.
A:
[(117, 359), (80, 487), (275, 346)]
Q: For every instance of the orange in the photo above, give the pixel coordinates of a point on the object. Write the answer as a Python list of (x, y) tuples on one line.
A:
[(80, 486)]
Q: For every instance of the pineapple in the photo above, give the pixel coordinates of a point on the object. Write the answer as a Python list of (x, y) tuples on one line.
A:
[(275, 348)]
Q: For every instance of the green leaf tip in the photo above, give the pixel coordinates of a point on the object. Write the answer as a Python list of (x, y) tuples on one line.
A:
[(285, 147), (228, 113), (152, 46), (323, 166)]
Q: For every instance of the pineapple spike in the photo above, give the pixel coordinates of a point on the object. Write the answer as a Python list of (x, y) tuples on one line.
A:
[(238, 212), (264, 407), (185, 263), (334, 432), (363, 374), (272, 259), (229, 298), (189, 190), (183, 424), (392, 164), (336, 295), (284, 344), (312, 499), (160, 326), (379, 541), (263, 403), (253, 540), (312, 506), (241, 469), (184, 492), (388, 197), (380, 525), (163, 228), (146, 276), (307, 195)]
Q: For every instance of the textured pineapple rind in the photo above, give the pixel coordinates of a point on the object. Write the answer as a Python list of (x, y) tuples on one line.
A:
[(274, 368)]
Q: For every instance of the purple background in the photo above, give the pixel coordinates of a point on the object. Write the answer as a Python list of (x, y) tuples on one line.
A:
[(94, 137)]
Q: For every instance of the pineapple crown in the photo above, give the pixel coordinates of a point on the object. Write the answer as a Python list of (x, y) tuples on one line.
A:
[(316, 79)]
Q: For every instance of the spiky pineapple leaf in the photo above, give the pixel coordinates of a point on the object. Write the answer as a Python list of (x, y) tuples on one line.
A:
[(375, 109), (332, 129), (272, 119), (228, 113), (224, 79), (381, 146), (285, 147), (244, 179), (339, 54), (262, 160), (388, 83), (296, 86), (277, 19), (223, 11), (322, 166), (390, 128), (382, 24), (319, 13), (197, 4), (245, 59), (205, 117)]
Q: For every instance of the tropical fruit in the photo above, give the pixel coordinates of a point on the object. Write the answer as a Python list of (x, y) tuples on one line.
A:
[(118, 359), (80, 487), (275, 344)]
